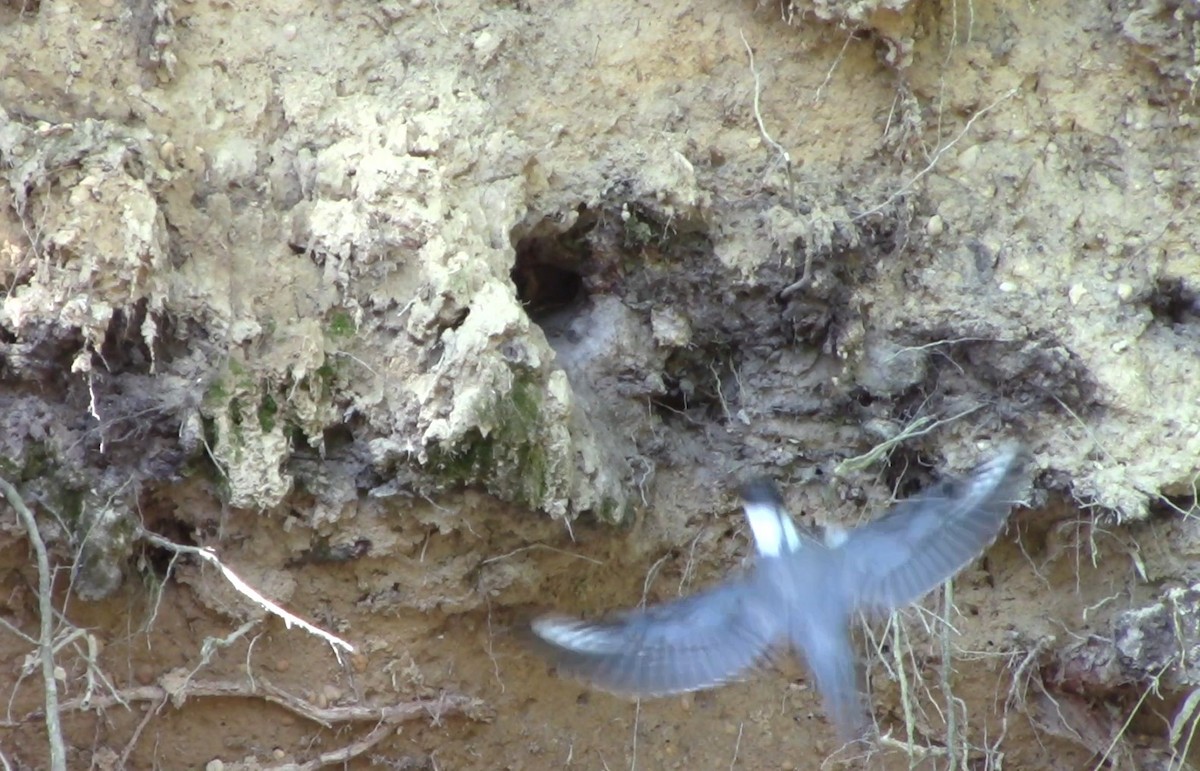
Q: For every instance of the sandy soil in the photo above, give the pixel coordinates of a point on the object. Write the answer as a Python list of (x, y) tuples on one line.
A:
[(429, 316)]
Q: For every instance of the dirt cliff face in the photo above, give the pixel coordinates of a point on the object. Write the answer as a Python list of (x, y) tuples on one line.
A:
[(426, 317)]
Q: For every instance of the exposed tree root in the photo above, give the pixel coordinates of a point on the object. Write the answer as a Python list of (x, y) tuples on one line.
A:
[(172, 688), (176, 687)]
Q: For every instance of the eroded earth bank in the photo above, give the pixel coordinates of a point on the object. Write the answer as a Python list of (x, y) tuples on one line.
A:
[(429, 316)]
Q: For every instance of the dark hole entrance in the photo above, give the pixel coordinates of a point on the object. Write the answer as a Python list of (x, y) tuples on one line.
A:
[(1174, 302), (544, 288), (547, 280), (551, 266), (158, 559)]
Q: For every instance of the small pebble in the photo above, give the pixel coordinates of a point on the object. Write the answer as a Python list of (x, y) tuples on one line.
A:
[(968, 158)]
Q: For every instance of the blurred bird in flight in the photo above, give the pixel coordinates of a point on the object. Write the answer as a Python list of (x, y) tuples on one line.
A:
[(800, 594)]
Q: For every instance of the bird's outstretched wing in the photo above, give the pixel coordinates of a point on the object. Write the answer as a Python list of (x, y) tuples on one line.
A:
[(687, 645), (925, 540)]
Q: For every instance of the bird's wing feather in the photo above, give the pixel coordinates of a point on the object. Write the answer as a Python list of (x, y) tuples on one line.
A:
[(925, 540), (693, 643)]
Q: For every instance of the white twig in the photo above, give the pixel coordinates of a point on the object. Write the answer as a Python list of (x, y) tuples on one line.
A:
[(211, 644), (151, 711), (58, 750), (289, 619), (829, 73), (490, 649), (1116, 740), (637, 716), (1185, 715), (532, 546), (910, 721), (651, 574), (1009, 94), (762, 127), (947, 672)]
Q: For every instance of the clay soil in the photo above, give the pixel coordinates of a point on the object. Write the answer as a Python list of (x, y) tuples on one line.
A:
[(427, 317)]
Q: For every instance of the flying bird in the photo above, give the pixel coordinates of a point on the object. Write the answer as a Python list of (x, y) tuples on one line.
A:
[(800, 595)]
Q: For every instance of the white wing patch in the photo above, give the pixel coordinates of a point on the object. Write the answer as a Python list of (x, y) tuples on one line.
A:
[(577, 636), (835, 536), (791, 538), (773, 530)]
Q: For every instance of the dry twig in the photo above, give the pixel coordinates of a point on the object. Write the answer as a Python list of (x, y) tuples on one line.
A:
[(58, 750), (919, 427), (344, 754)]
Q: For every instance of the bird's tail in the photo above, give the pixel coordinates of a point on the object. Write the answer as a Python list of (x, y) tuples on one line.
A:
[(830, 657)]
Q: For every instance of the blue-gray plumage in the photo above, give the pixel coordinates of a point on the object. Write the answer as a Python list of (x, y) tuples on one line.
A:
[(801, 593)]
